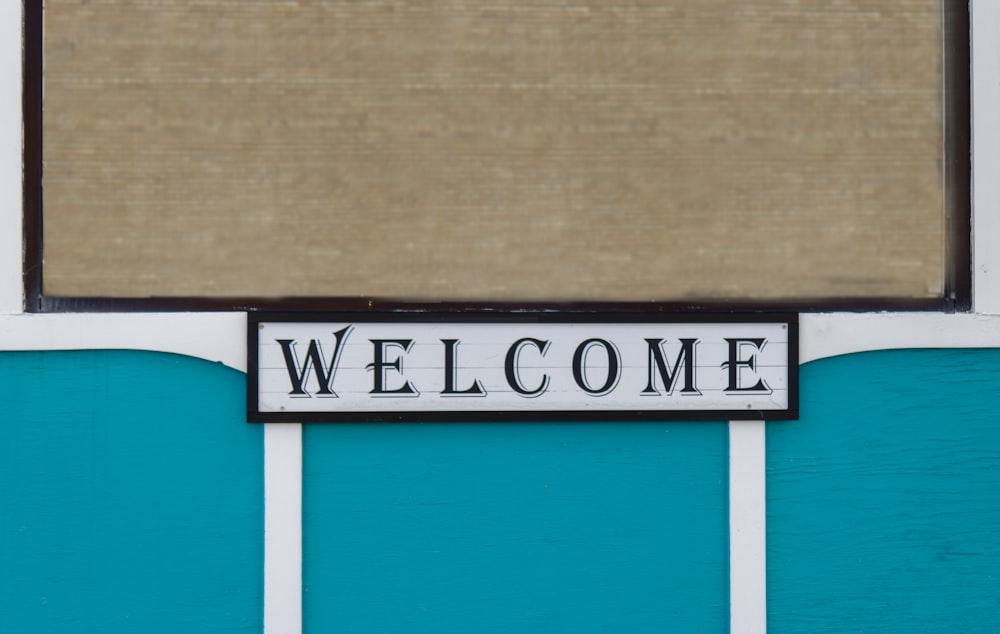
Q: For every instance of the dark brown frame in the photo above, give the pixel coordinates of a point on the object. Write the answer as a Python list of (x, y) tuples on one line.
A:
[(957, 295)]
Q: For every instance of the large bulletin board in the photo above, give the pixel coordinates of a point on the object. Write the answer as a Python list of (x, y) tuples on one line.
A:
[(611, 150)]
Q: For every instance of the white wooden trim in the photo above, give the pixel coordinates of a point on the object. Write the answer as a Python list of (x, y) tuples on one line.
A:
[(217, 337), (747, 528), (831, 334), (282, 528), (221, 337), (985, 27), (11, 284)]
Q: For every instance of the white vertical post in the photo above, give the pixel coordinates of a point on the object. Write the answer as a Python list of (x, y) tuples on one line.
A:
[(282, 528), (11, 283), (747, 528), (985, 26)]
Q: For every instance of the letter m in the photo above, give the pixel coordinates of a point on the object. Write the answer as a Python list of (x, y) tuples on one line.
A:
[(669, 375), (298, 373)]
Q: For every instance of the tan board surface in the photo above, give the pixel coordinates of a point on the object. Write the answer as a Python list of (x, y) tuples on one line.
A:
[(610, 150)]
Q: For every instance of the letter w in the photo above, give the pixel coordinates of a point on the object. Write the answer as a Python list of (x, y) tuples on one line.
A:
[(298, 374)]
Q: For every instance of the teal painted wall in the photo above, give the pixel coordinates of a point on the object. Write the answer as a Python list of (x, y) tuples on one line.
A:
[(501, 527), (125, 507), (131, 495), (883, 501)]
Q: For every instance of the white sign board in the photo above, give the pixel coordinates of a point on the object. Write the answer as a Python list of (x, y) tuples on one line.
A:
[(423, 366)]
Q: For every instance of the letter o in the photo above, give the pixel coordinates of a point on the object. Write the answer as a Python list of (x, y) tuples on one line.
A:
[(614, 366)]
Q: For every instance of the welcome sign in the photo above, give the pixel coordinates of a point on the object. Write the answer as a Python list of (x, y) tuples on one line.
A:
[(520, 366)]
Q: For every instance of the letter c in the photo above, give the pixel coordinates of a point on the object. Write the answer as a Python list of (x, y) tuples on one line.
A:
[(511, 367)]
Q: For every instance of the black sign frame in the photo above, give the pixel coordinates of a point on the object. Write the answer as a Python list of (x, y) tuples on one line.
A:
[(255, 319)]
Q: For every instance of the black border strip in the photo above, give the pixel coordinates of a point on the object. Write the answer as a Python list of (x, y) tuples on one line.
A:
[(525, 317), (376, 305), (957, 159), (31, 107), (957, 294)]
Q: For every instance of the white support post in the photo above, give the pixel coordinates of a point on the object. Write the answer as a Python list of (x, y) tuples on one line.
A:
[(282, 528), (747, 528), (985, 26)]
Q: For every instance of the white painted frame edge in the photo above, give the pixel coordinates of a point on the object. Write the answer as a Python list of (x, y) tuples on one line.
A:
[(984, 21), (11, 159)]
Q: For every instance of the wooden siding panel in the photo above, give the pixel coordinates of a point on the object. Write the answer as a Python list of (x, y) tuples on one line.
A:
[(131, 495), (883, 511)]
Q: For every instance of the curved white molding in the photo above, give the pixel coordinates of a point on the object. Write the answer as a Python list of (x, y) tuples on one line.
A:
[(221, 337), (217, 337), (833, 334)]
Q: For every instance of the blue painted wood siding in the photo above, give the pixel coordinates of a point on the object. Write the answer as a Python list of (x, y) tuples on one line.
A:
[(883, 501), (546, 527), (131, 500), (131, 495)]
